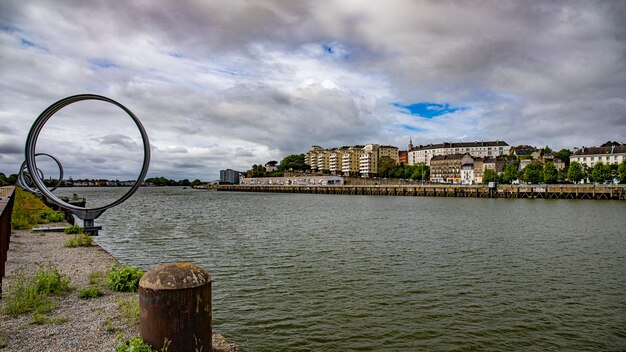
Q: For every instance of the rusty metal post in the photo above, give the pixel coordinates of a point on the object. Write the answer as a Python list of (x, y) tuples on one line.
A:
[(175, 304)]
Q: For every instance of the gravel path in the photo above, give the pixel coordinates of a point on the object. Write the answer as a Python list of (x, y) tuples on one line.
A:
[(91, 324)]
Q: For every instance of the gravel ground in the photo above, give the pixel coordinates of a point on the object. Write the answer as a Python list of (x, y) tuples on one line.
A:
[(91, 324)]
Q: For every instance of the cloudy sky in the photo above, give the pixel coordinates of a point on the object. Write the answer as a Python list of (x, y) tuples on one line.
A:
[(226, 84)]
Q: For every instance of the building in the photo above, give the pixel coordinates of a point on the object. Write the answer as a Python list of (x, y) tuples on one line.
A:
[(299, 180), (403, 157), (229, 176), (447, 168), (479, 168), (424, 153), (271, 166), (467, 174), (615, 154), (357, 160), (496, 164), (372, 153)]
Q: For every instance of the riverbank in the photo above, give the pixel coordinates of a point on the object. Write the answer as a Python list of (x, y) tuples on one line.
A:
[(616, 192), (81, 325)]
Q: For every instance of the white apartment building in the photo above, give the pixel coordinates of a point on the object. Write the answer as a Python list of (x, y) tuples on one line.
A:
[(607, 155), (357, 160), (423, 153)]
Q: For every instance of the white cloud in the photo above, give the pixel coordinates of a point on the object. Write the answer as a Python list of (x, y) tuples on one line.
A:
[(221, 84)]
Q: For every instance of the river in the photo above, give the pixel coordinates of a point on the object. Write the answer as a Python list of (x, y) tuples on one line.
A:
[(302, 272)]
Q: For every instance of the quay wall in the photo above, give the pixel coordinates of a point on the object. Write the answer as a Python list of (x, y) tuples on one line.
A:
[(615, 192)]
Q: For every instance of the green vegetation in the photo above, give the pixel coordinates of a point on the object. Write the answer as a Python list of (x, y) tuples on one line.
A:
[(129, 309), (162, 181), (90, 292), (550, 173), (533, 173), (31, 293), (134, 344), (410, 172), (79, 240), (10, 180), (124, 279), (97, 278), (601, 172), (510, 173), (29, 210), (621, 171), (41, 319), (575, 172), (489, 175), (73, 229)]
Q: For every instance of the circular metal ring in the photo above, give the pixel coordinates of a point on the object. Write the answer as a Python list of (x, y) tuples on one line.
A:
[(24, 173), (31, 143)]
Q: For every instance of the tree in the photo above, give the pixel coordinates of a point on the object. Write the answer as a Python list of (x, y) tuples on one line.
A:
[(385, 165), (533, 173), (294, 161), (550, 173), (621, 171), (564, 155), (489, 176), (510, 173), (272, 163), (12, 179), (196, 183), (547, 150), (601, 172), (258, 171), (185, 182)]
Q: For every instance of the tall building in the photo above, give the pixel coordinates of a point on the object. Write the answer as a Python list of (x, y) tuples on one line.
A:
[(447, 168), (356, 160), (229, 176), (424, 153)]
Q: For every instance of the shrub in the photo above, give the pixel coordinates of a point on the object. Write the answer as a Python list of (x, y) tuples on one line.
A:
[(79, 240), (134, 344), (90, 292), (50, 282), (124, 279), (41, 319), (29, 210), (73, 230)]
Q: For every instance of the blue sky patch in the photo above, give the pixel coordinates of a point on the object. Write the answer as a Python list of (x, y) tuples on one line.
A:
[(102, 63), (28, 43), (410, 128), (426, 109)]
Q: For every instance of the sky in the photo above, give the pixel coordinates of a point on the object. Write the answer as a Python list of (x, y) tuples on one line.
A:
[(227, 84)]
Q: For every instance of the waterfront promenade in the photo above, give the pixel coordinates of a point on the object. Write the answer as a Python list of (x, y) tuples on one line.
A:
[(617, 192), (83, 325)]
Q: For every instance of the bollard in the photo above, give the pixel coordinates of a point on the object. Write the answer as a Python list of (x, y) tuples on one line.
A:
[(175, 304)]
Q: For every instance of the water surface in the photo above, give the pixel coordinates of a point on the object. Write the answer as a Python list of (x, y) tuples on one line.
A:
[(302, 272)]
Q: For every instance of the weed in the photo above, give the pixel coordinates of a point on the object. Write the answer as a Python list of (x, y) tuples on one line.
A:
[(31, 293), (129, 310), (50, 282), (90, 292), (73, 229), (30, 210), (124, 279), (41, 319), (134, 344), (97, 278), (79, 240)]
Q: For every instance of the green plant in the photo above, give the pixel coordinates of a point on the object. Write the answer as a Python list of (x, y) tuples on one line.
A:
[(73, 229), (29, 210), (124, 279), (30, 293), (97, 278), (133, 344), (41, 319), (50, 282), (79, 240), (90, 292), (129, 309)]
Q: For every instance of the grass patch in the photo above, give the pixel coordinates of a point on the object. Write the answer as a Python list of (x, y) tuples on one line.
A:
[(90, 292), (31, 293), (73, 230), (79, 240), (129, 309), (29, 210), (42, 319), (124, 279), (97, 278)]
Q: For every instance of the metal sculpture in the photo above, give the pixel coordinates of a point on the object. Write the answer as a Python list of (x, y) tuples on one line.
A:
[(24, 175), (88, 215)]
